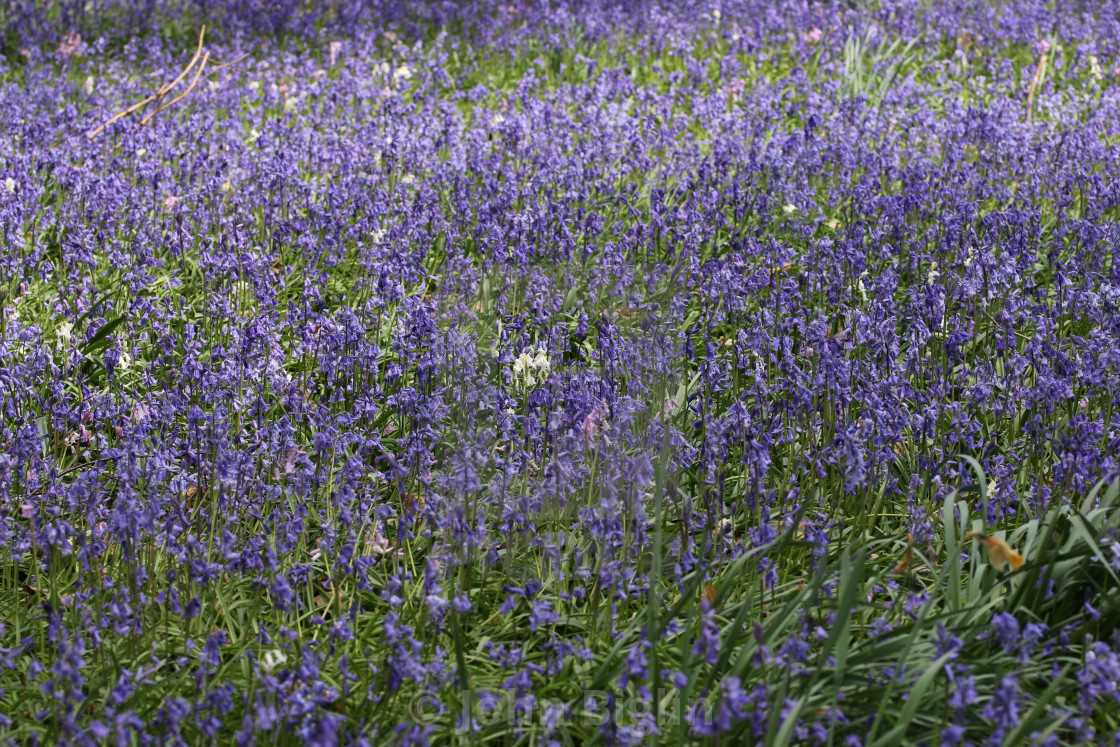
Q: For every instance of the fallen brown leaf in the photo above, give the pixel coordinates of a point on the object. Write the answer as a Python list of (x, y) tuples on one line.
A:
[(1000, 554)]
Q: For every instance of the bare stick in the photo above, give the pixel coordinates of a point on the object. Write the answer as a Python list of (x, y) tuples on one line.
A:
[(180, 97), (158, 95), (1039, 72), (221, 65), (39, 490)]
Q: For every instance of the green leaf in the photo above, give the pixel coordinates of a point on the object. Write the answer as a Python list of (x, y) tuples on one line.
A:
[(1017, 735), (100, 338), (785, 734), (952, 552), (913, 702)]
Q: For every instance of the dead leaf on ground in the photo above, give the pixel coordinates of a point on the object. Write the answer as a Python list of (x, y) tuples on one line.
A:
[(1000, 554)]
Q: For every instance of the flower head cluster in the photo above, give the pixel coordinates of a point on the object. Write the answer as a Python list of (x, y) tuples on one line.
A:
[(531, 367)]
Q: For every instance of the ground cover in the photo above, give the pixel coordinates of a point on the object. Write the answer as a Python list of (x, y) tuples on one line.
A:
[(559, 373)]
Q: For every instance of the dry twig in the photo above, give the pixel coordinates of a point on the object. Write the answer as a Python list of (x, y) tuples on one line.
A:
[(157, 97), (1039, 73), (180, 97)]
